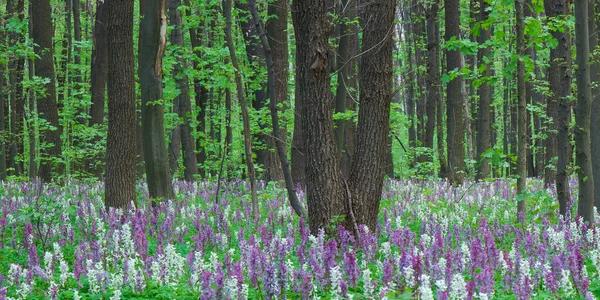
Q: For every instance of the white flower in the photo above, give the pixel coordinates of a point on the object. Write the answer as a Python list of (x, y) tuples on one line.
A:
[(458, 288), (565, 283), (76, 295), (64, 272), (336, 276), (425, 288), (368, 284), (385, 249), (409, 276), (116, 295)]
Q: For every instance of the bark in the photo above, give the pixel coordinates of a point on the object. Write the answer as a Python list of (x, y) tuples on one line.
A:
[(456, 121), (559, 103), (32, 166), (47, 107), (67, 43), (3, 116), (325, 189), (522, 111), (99, 74), (484, 123), (121, 138), (153, 28), (77, 54), (280, 143), (595, 118), (244, 107), (410, 93), (185, 105), (583, 154), (376, 74)]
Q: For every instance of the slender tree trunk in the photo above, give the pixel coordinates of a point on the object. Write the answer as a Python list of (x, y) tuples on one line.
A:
[(201, 99), (185, 105), (3, 117), (77, 75), (153, 31), (33, 153), (595, 117), (456, 122), (559, 103), (522, 110), (17, 99), (433, 75), (120, 144), (585, 207), (244, 107), (272, 86), (99, 75), (47, 107), (484, 127), (67, 43)]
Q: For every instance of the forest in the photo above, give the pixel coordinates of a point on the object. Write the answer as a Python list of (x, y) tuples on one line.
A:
[(303, 149)]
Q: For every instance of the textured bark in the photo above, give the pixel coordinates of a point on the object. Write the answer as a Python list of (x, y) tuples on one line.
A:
[(583, 154), (559, 105), (153, 28), (185, 105), (433, 75), (484, 123), (325, 189), (32, 166), (244, 107), (121, 138), (522, 110), (375, 80), (3, 117), (46, 104), (410, 92), (17, 99), (64, 87), (595, 118), (99, 74), (76, 39), (455, 112)]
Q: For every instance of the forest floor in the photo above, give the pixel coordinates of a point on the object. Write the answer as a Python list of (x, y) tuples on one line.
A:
[(432, 241)]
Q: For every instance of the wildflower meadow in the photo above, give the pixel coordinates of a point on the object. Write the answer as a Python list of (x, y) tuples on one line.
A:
[(433, 241)]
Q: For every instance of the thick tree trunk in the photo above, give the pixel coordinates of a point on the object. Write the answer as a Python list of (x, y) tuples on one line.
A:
[(153, 31), (185, 105), (484, 123), (456, 122), (99, 74), (583, 155), (522, 110), (376, 74), (326, 193), (121, 138), (244, 107), (43, 32)]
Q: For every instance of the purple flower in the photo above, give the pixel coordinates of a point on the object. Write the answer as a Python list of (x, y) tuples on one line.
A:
[(351, 268)]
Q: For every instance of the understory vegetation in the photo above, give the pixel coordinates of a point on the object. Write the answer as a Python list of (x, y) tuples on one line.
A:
[(432, 240)]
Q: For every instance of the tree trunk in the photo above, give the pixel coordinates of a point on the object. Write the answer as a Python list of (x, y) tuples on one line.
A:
[(244, 107), (345, 64), (484, 126), (201, 99), (583, 155), (153, 30), (3, 116), (433, 75), (185, 105), (325, 191), (559, 103), (456, 122), (17, 99), (595, 118), (522, 111), (99, 74), (33, 153), (376, 74), (77, 54), (121, 138), (47, 107), (272, 84)]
